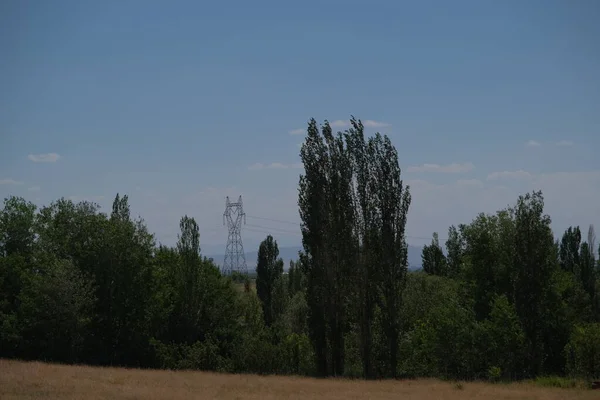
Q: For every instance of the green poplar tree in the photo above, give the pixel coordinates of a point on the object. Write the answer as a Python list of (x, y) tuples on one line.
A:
[(269, 268), (534, 245), (433, 259)]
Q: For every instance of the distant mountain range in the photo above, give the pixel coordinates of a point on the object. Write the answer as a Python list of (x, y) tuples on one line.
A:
[(291, 253)]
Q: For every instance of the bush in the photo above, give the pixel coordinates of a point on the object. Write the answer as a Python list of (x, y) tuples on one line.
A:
[(583, 352), (203, 355), (494, 374)]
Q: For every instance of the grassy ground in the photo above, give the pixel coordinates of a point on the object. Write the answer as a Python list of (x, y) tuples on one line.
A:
[(23, 380)]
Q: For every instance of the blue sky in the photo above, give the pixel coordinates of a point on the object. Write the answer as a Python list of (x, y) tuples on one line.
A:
[(181, 103)]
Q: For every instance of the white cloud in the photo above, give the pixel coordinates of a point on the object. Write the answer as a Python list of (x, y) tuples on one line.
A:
[(10, 182), (297, 132), (47, 157), (275, 165), (340, 123), (34, 189), (564, 143), (450, 168), (532, 143), (513, 175), (369, 123)]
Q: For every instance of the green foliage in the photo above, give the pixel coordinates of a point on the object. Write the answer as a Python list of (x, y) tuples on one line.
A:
[(433, 259), (203, 355), (353, 205), (455, 247), (583, 352), (488, 258), (296, 349), (506, 302), (494, 374), (533, 251), (295, 278), (56, 310), (269, 268), (588, 276), (504, 339), (569, 249), (438, 326), (238, 277), (16, 227)]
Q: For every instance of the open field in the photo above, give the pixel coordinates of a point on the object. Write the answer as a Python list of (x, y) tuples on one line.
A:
[(24, 380)]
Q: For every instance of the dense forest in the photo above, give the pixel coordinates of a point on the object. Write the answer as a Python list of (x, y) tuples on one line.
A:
[(503, 301)]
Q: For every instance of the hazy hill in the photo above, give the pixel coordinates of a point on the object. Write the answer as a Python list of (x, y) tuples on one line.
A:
[(291, 253)]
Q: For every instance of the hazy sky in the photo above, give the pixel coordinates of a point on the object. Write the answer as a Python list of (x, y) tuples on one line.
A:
[(180, 103)]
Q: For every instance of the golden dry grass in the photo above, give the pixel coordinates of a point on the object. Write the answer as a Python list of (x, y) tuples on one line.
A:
[(34, 380)]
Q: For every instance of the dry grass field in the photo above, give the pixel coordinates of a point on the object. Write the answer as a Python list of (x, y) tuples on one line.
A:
[(24, 380)]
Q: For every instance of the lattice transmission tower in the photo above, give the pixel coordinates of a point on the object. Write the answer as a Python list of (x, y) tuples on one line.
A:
[(234, 215)]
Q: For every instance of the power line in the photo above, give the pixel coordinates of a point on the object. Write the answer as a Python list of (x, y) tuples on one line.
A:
[(268, 231), (282, 221), (297, 224), (274, 220), (274, 229)]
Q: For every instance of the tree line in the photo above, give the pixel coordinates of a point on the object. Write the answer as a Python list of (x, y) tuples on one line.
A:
[(503, 301)]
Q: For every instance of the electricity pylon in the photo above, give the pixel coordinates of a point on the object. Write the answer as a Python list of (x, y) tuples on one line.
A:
[(235, 260)]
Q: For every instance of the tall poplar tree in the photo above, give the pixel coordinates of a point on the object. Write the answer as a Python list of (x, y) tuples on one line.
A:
[(392, 201), (353, 206), (365, 236), (312, 204), (534, 245), (269, 268)]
